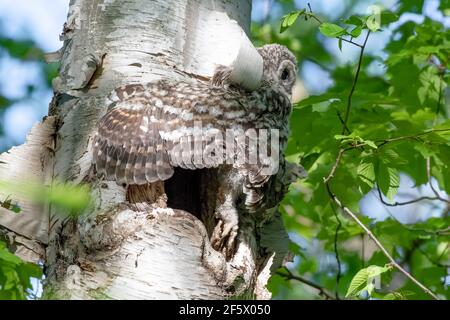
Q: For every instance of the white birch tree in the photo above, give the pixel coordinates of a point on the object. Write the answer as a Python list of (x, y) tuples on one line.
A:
[(130, 244)]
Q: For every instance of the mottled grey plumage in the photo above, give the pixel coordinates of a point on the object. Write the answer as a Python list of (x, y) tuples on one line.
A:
[(136, 138)]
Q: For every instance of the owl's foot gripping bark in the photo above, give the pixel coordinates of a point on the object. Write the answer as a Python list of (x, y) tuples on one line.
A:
[(223, 238)]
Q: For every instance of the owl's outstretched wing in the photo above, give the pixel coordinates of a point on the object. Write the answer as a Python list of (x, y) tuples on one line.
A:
[(128, 147), (151, 128)]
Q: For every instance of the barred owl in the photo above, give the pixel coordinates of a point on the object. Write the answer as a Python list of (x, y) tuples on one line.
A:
[(152, 128)]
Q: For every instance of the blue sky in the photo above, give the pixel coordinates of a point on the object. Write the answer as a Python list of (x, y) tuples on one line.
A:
[(42, 21)]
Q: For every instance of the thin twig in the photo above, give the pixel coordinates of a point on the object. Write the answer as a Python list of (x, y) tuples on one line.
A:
[(351, 41), (395, 204), (342, 120), (291, 276), (438, 232), (414, 136), (378, 244), (355, 81), (430, 182), (363, 252), (382, 142), (336, 164), (443, 251), (436, 263), (438, 107), (336, 251), (330, 176), (312, 15)]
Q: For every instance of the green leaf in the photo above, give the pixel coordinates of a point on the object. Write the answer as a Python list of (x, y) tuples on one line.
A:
[(6, 256), (354, 20), (388, 17), (68, 198), (356, 32), (366, 172), (362, 281), (331, 30), (373, 23), (371, 144), (21, 49), (312, 100), (343, 137), (358, 283), (414, 6), (376, 20), (289, 19), (388, 180)]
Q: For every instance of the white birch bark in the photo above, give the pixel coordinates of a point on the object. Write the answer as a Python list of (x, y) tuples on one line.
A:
[(116, 250)]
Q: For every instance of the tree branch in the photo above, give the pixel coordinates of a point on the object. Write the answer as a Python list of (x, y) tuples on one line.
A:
[(406, 227), (395, 204), (330, 176), (378, 244), (430, 182), (336, 164), (336, 251), (291, 276), (355, 81), (312, 15), (414, 136)]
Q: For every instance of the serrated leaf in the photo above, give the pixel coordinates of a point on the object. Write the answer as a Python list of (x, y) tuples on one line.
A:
[(366, 172), (356, 32), (362, 281), (371, 144), (289, 20), (331, 30), (354, 20), (388, 17), (377, 270), (388, 180), (358, 283)]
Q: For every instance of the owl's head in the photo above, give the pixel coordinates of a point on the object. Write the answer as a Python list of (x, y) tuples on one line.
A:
[(280, 66)]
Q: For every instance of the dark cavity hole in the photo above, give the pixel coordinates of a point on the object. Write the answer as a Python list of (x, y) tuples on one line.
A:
[(194, 191), (183, 191)]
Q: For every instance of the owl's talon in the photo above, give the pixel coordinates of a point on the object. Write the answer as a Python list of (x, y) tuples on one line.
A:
[(223, 238), (231, 243), (216, 236)]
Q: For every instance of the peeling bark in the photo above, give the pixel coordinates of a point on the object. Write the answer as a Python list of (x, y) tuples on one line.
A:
[(139, 243), (30, 162)]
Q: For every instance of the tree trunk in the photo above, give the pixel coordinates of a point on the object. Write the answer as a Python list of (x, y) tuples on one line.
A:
[(134, 243)]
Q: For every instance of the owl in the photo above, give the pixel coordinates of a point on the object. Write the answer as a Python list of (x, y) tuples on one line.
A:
[(152, 128)]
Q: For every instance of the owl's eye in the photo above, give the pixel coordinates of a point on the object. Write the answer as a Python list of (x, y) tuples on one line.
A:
[(285, 74)]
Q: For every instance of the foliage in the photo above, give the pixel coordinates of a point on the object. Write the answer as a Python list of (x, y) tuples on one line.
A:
[(15, 275), (65, 198), (25, 51), (357, 139)]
